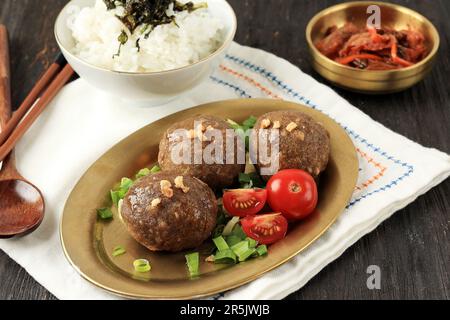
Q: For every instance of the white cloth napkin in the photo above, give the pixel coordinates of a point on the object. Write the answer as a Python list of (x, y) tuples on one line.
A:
[(82, 123)]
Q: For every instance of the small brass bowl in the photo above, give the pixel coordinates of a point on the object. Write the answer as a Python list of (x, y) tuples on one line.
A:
[(369, 81)]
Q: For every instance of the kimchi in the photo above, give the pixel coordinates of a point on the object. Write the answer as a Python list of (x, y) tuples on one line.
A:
[(373, 49)]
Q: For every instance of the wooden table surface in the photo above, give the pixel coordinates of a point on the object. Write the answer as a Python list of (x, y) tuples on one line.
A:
[(412, 248)]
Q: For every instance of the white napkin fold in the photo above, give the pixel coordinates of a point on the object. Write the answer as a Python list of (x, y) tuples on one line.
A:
[(82, 123)]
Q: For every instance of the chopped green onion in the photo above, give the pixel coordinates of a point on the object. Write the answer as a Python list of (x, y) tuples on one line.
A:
[(222, 220), (233, 124), (256, 180), (240, 247), (244, 178), (247, 142), (247, 185), (230, 226), (232, 240), (142, 265), (247, 254), (252, 243), (242, 250), (118, 251), (193, 263), (242, 130), (225, 257), (238, 232), (220, 243), (104, 213), (115, 197), (155, 169), (247, 124), (143, 173), (250, 122), (251, 180), (118, 194), (261, 250), (125, 184)]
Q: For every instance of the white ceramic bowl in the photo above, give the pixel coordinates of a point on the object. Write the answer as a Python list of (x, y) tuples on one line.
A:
[(151, 88)]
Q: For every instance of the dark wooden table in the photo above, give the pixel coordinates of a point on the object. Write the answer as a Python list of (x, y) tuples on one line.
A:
[(412, 248)]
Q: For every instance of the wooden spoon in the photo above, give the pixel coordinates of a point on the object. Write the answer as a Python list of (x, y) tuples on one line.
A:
[(21, 203)]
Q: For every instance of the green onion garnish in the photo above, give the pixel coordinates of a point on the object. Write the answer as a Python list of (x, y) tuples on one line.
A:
[(119, 194), (193, 263), (233, 124), (261, 250), (104, 213), (238, 232), (230, 226), (232, 240), (236, 247), (222, 219), (142, 265), (252, 243), (115, 197), (125, 184), (225, 257), (240, 247), (250, 122), (118, 251), (155, 169), (242, 130), (256, 180), (242, 250), (251, 180), (244, 178), (247, 254), (146, 171), (221, 244), (143, 173)]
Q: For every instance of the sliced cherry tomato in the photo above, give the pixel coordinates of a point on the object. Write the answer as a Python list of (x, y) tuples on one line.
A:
[(265, 228), (293, 193), (244, 202)]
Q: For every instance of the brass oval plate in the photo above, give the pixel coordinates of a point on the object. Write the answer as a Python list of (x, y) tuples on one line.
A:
[(88, 243)]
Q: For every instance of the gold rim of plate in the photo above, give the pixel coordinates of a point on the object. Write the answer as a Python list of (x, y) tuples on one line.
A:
[(88, 243)]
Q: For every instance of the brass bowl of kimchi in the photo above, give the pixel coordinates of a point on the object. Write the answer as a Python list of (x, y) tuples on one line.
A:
[(364, 57)]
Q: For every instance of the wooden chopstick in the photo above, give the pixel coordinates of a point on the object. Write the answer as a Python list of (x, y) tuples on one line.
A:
[(37, 90), (55, 86), (5, 95)]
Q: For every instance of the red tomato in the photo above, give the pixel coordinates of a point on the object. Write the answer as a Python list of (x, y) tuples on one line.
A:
[(244, 202), (265, 228), (293, 193)]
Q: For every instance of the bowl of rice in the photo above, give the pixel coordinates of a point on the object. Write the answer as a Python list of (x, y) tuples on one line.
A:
[(145, 51)]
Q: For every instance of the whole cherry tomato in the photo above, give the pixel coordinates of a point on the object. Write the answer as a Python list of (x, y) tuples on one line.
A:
[(292, 192)]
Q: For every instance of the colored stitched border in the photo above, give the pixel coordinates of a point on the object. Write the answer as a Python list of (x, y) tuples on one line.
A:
[(238, 90), (252, 81), (375, 177), (280, 84)]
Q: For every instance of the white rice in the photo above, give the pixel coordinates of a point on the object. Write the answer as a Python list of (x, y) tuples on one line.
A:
[(95, 29)]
